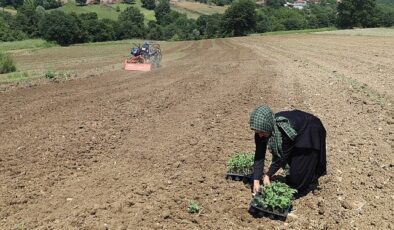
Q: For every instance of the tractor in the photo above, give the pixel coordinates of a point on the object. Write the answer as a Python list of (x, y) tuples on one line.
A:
[(144, 57)]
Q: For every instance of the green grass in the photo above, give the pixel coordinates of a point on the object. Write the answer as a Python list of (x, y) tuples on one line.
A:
[(189, 14), (24, 76), (49, 74), (374, 32), (13, 77), (25, 44), (195, 9), (102, 11), (306, 31), (107, 11)]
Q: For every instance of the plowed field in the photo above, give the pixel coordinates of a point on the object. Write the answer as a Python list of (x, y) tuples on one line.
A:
[(118, 150)]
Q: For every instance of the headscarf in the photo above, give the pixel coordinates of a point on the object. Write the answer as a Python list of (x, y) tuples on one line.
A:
[(263, 119)]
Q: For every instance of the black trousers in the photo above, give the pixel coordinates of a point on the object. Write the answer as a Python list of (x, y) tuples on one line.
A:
[(303, 169)]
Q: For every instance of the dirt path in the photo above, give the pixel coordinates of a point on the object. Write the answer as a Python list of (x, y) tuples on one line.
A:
[(127, 151)]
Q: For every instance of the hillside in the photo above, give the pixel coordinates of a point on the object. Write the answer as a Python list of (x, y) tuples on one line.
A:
[(196, 9), (107, 11), (191, 9)]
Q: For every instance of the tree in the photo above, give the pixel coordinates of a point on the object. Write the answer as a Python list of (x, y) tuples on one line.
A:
[(275, 3), (6, 33), (294, 21), (291, 19), (48, 4), (148, 4), (131, 24), (81, 2), (209, 25), (162, 9), (221, 2), (240, 18), (14, 3), (171, 17), (60, 27), (321, 15), (357, 13), (27, 18), (263, 23), (96, 30), (40, 10), (171, 32), (386, 15), (187, 28), (155, 31), (129, 1)]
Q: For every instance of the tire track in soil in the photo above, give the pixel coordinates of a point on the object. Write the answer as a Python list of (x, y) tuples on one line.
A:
[(76, 221), (371, 92), (96, 89), (163, 137), (354, 200), (355, 67)]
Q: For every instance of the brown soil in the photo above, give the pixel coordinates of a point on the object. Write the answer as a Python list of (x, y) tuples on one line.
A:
[(128, 150)]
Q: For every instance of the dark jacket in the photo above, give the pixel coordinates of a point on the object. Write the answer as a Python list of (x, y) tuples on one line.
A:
[(311, 134)]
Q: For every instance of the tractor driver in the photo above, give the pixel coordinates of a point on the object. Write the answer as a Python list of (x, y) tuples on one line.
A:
[(135, 52)]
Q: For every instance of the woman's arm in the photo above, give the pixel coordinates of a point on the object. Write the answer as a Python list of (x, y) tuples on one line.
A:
[(278, 162), (259, 157)]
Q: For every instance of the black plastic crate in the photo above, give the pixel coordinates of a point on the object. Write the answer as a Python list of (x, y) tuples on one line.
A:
[(257, 211), (240, 177)]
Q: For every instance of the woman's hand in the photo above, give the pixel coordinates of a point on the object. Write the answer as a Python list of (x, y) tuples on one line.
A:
[(256, 187), (266, 180)]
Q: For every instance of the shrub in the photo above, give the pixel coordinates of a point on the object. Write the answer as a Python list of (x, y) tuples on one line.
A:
[(7, 65), (50, 75)]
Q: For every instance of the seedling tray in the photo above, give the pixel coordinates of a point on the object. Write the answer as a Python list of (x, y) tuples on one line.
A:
[(258, 211), (240, 177)]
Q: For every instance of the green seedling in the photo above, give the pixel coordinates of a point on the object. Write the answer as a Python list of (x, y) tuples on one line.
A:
[(50, 75), (276, 196), (241, 163), (193, 207)]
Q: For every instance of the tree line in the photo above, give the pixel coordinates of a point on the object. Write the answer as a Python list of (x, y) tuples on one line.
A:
[(241, 18)]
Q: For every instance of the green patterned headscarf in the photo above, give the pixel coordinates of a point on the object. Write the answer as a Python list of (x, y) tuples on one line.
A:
[(263, 119)]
